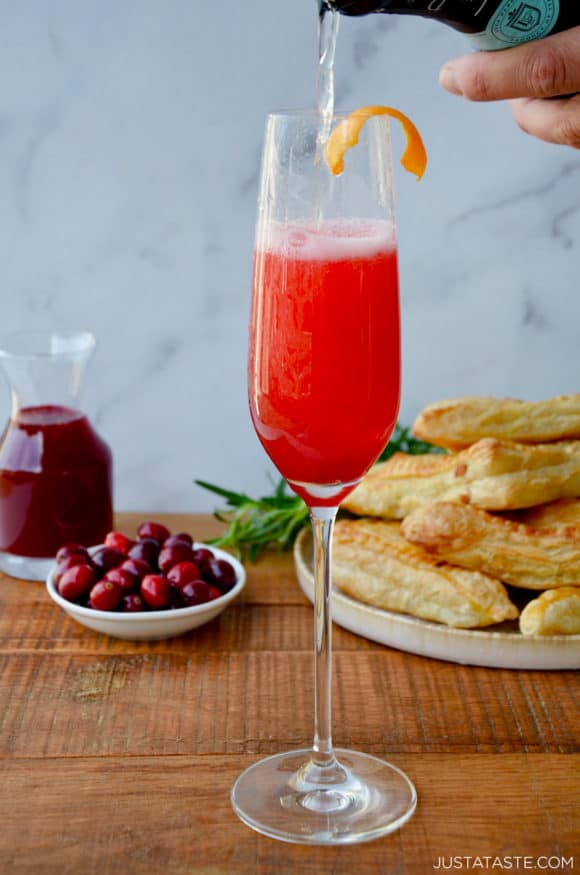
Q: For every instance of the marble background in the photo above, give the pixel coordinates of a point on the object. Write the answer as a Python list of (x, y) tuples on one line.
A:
[(130, 136)]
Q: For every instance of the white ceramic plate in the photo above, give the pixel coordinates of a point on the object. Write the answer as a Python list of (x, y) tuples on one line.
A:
[(151, 625), (501, 647)]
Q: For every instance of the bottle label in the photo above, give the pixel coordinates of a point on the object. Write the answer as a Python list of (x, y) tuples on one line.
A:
[(517, 21)]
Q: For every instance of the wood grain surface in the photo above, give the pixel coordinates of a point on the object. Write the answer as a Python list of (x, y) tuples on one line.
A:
[(118, 756)]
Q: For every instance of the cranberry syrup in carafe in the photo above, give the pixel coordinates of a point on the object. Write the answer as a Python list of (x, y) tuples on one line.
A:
[(55, 482)]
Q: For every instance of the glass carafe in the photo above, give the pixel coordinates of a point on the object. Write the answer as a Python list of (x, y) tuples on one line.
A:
[(55, 470)]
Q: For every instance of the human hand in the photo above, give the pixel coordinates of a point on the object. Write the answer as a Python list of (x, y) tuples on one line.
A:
[(527, 75)]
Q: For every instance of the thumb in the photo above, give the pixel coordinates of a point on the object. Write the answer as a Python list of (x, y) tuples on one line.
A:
[(545, 68)]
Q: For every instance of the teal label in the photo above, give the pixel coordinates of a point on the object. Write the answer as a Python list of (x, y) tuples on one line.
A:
[(518, 21)]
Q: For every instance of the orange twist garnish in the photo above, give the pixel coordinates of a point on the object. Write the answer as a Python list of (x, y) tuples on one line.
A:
[(346, 134)]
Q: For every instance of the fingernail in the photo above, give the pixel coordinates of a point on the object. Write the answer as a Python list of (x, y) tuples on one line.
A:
[(448, 80)]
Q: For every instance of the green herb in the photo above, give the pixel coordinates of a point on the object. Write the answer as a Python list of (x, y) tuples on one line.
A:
[(257, 523), (274, 520)]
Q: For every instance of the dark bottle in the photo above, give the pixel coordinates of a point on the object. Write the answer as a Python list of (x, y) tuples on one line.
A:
[(490, 24)]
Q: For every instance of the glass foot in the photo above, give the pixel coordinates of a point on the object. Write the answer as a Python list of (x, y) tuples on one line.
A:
[(288, 797), (25, 567)]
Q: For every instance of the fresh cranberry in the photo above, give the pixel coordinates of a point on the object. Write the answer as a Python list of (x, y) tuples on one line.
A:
[(214, 592), (155, 591), (195, 592), (75, 584), (202, 555), (220, 573), (146, 550), (153, 530), (123, 578), (107, 558), (170, 556), (71, 550), (137, 567), (175, 597), (105, 596), (118, 541), (175, 540), (132, 603), (71, 561), (182, 573)]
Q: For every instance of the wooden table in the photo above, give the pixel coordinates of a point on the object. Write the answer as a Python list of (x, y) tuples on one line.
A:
[(118, 756)]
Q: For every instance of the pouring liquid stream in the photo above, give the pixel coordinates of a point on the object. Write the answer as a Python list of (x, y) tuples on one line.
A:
[(328, 22), (327, 33)]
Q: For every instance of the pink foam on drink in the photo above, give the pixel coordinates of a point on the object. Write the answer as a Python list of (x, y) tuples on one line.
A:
[(332, 240)]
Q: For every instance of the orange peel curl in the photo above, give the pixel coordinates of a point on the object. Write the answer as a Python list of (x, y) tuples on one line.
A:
[(345, 135)]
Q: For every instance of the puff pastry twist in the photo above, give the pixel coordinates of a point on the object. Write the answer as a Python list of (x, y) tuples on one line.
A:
[(462, 421), (555, 612), (491, 474), (373, 563), (515, 553)]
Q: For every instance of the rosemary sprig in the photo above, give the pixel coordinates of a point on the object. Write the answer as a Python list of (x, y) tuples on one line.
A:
[(274, 520), (257, 523)]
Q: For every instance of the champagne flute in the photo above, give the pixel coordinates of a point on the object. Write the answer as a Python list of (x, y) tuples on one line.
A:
[(324, 386)]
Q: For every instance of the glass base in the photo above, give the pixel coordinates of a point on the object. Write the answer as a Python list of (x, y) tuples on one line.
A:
[(288, 797), (25, 567)]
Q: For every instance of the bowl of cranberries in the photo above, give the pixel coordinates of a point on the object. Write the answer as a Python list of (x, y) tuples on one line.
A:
[(154, 586)]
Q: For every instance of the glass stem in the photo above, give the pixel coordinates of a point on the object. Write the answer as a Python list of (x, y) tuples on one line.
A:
[(322, 526)]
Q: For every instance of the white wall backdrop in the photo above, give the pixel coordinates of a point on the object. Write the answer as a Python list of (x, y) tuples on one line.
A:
[(130, 135)]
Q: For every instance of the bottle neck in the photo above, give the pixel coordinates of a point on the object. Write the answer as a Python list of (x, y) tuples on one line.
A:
[(493, 24), (469, 16)]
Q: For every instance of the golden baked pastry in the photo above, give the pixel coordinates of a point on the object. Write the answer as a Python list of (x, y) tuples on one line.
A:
[(373, 563), (512, 552), (564, 512), (463, 421), (555, 612), (492, 474)]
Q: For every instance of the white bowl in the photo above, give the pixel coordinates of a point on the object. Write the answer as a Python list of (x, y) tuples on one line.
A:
[(151, 625)]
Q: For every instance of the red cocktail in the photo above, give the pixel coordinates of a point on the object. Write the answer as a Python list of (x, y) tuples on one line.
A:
[(324, 350)]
